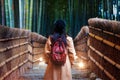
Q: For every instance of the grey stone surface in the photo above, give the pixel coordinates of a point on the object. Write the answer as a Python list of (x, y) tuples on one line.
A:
[(37, 73)]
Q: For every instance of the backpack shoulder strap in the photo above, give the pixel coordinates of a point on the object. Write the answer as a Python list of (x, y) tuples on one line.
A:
[(51, 39)]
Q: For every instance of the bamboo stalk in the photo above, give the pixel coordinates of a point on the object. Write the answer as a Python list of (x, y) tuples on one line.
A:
[(117, 47), (43, 18), (7, 13), (110, 60), (117, 35), (91, 27), (99, 38), (31, 12), (40, 17), (26, 14), (92, 48), (20, 14), (11, 18), (34, 24), (108, 43), (109, 75), (118, 66), (99, 53), (92, 35), (101, 67), (98, 29), (107, 32), (3, 16)]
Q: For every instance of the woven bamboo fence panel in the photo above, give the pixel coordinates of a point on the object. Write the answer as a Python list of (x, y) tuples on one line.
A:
[(80, 43), (13, 53), (104, 48), (37, 46)]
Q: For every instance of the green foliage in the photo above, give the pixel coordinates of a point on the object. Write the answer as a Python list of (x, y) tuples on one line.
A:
[(39, 15)]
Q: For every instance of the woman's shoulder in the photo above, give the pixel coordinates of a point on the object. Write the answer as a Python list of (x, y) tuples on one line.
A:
[(69, 38)]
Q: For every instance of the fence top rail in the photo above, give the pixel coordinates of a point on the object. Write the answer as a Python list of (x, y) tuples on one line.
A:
[(104, 24)]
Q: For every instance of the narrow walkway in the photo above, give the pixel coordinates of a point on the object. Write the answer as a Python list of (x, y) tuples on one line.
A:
[(37, 73)]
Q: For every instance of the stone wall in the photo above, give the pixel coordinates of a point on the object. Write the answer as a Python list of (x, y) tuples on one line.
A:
[(104, 48), (16, 51)]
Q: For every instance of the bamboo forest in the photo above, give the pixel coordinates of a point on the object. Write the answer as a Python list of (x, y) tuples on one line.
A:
[(29, 49), (39, 15)]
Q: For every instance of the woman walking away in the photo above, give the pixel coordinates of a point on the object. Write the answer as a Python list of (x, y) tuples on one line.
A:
[(63, 54)]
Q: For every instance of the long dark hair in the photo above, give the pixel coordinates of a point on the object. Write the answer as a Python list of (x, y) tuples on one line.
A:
[(59, 31)]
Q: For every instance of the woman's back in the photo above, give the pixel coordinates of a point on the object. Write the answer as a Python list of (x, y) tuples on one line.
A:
[(55, 72)]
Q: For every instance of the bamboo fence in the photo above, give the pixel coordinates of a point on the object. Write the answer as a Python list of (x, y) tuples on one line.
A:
[(104, 48), (19, 49)]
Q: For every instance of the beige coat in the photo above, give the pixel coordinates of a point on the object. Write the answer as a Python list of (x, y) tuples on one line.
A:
[(54, 72)]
